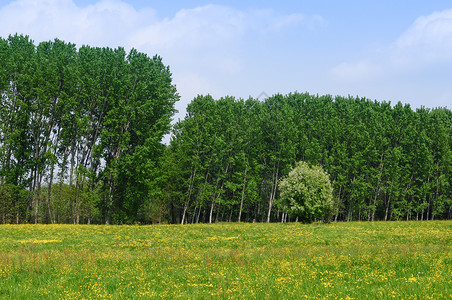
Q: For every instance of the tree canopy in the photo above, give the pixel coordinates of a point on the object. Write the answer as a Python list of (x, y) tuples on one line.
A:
[(386, 162), (80, 129)]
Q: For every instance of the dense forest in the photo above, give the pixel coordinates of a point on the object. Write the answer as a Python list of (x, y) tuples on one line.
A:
[(385, 162), (80, 131), (81, 142)]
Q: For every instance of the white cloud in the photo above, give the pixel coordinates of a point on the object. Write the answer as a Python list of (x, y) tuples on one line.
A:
[(207, 37), (266, 21), (213, 27), (432, 30), (190, 29), (424, 48), (204, 46), (106, 23), (363, 70), (428, 40)]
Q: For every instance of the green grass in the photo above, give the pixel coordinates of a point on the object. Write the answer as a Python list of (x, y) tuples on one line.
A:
[(374, 260)]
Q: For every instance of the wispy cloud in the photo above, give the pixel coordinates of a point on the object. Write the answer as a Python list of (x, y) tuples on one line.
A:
[(105, 23), (214, 26), (209, 32), (433, 30), (413, 68), (354, 72), (208, 48), (427, 40)]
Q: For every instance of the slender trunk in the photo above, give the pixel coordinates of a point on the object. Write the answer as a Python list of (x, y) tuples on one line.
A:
[(184, 212), (17, 218), (243, 195), (273, 191), (211, 211), (49, 194), (218, 213), (338, 203), (215, 195), (374, 209), (197, 216), (71, 179), (78, 188), (258, 209), (379, 187), (190, 188), (194, 215), (108, 198), (388, 204)]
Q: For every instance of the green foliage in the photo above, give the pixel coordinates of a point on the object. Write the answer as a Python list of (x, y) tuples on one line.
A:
[(91, 119), (385, 162), (307, 192)]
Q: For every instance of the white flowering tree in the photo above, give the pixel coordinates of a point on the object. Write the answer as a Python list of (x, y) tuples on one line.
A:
[(307, 192)]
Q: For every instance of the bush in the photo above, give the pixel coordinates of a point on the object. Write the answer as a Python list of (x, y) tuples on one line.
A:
[(307, 192)]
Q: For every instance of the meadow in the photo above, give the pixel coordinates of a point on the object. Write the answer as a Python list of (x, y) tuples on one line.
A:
[(355, 260)]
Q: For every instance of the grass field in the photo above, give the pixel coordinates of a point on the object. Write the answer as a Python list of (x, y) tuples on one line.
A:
[(374, 260)]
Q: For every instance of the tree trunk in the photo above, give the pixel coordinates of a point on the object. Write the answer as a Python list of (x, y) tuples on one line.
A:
[(190, 188), (194, 215), (218, 214), (197, 216), (273, 192), (215, 195), (211, 211), (388, 204), (184, 212), (49, 195), (243, 196)]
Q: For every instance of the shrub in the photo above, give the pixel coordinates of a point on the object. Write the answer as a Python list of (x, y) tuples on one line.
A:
[(307, 192)]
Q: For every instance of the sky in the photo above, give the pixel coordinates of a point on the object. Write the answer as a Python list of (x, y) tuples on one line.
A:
[(381, 50)]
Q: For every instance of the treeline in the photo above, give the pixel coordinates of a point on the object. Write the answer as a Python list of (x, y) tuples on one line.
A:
[(80, 131), (385, 162)]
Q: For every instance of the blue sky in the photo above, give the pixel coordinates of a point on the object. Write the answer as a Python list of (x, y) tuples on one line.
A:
[(382, 50)]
